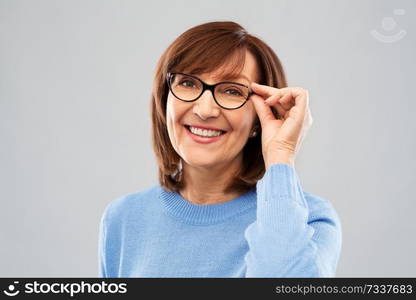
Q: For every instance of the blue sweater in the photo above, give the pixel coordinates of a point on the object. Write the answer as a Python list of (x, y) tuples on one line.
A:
[(273, 230)]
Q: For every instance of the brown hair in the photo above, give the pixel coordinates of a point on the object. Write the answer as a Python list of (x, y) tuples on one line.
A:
[(204, 48)]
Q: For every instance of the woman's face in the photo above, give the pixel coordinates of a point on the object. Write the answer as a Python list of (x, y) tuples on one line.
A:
[(237, 123)]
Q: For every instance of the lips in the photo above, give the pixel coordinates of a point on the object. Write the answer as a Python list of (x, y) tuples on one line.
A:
[(203, 139), (189, 129), (205, 127)]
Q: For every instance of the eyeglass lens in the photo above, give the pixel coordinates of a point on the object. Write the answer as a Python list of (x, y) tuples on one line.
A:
[(188, 88)]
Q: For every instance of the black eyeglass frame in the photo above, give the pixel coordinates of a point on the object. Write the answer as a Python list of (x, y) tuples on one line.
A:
[(206, 86)]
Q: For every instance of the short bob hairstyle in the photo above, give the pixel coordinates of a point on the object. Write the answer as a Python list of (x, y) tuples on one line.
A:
[(206, 48)]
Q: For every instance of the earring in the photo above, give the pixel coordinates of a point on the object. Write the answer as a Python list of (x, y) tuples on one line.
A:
[(179, 171), (254, 134)]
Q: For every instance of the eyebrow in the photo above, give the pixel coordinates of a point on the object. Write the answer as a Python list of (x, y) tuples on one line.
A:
[(231, 77)]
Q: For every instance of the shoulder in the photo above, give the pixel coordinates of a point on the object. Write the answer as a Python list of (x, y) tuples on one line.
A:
[(122, 205)]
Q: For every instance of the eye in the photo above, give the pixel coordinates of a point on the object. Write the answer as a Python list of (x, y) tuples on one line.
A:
[(234, 92), (187, 83)]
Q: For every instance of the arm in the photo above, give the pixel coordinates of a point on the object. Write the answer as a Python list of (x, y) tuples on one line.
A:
[(102, 268), (295, 234), (109, 242)]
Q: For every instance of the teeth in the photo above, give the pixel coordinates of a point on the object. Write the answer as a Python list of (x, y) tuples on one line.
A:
[(204, 132)]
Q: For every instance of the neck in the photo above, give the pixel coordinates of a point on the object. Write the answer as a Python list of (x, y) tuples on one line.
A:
[(205, 185)]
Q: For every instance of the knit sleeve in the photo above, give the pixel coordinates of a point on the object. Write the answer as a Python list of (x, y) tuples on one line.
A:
[(102, 240), (108, 242), (295, 233)]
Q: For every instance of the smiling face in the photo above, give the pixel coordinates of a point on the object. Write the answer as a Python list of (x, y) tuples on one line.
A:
[(209, 152)]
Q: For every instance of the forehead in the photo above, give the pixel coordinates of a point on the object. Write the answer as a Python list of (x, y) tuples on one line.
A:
[(249, 72)]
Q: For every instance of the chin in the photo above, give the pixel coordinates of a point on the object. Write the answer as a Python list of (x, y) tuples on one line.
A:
[(201, 160)]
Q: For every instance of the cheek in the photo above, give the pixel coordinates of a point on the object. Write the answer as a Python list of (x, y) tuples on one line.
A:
[(171, 114), (171, 118), (174, 112), (242, 120)]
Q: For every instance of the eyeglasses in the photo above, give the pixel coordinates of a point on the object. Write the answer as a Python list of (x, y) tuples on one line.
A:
[(227, 94)]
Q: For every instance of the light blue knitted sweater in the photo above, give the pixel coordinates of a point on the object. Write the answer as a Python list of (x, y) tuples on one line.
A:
[(274, 230)]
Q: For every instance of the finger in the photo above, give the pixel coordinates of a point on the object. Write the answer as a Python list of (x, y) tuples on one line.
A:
[(264, 112), (273, 98), (273, 101), (300, 95), (264, 90), (297, 97), (282, 101), (287, 101), (280, 109)]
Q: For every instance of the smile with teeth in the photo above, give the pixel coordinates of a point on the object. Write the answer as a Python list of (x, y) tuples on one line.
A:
[(204, 132)]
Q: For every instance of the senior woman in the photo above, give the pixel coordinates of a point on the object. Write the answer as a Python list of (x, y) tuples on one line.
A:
[(226, 132)]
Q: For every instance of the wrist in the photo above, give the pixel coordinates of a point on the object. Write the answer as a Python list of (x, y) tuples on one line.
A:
[(279, 158)]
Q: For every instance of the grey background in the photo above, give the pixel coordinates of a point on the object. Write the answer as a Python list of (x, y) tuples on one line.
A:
[(75, 82)]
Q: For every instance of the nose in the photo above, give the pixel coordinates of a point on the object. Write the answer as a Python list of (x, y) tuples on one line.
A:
[(206, 107)]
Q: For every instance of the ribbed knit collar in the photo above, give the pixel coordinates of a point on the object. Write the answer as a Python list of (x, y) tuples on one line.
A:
[(200, 214)]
